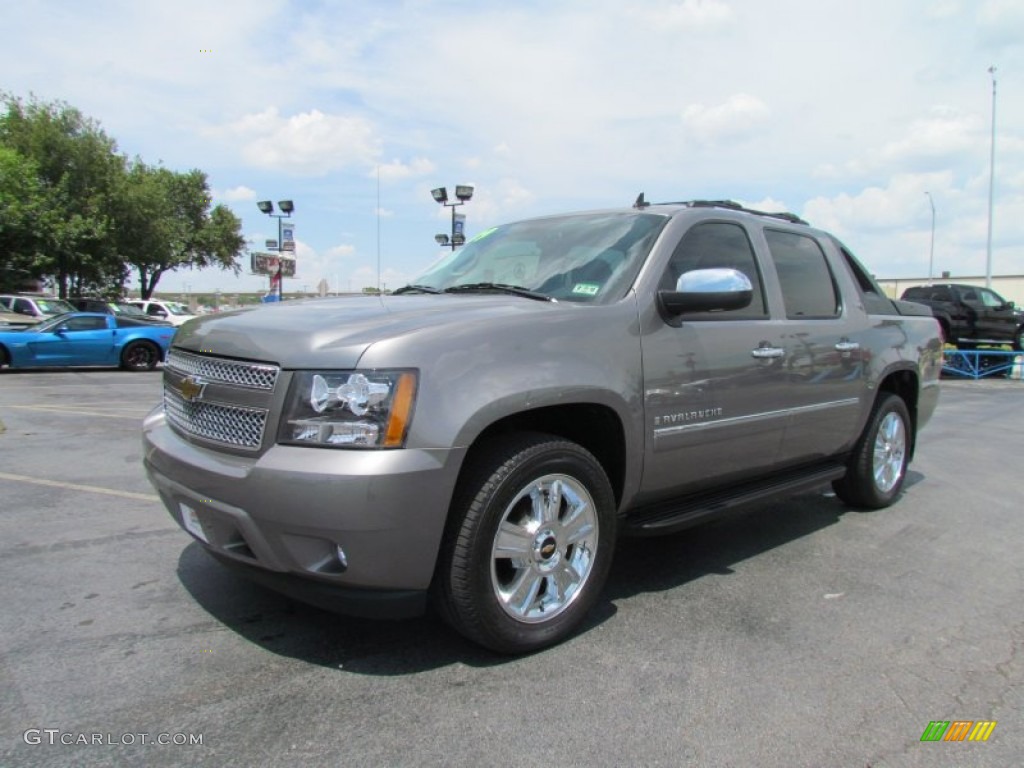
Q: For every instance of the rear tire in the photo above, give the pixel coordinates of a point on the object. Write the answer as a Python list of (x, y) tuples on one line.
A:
[(878, 465), (140, 356), (530, 543)]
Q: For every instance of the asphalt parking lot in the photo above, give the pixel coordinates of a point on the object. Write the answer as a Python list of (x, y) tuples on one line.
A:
[(801, 634)]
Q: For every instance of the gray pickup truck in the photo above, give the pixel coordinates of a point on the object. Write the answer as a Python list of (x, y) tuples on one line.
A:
[(480, 438)]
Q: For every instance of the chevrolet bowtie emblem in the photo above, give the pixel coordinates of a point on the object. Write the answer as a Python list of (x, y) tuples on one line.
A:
[(191, 388)]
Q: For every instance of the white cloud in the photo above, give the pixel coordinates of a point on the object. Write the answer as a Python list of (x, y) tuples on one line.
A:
[(738, 117), (308, 143), (239, 193), (396, 169), (687, 15), (340, 251), (944, 135)]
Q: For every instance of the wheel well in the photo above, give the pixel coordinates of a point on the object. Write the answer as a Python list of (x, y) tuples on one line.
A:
[(5, 356), (904, 384), (595, 427)]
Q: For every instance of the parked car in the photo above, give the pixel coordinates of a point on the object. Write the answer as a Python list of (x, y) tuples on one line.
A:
[(119, 308), (9, 320), (970, 315), (171, 311), (37, 307), (484, 435), (86, 338)]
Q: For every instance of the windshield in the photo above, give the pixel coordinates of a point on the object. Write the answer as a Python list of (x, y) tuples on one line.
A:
[(127, 310), (176, 309), (53, 306), (49, 323), (583, 258)]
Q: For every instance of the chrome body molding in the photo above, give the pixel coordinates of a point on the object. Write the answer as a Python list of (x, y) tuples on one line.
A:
[(784, 413)]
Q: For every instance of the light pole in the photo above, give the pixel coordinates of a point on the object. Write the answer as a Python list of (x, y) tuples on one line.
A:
[(464, 194), (991, 182), (287, 207), (931, 249)]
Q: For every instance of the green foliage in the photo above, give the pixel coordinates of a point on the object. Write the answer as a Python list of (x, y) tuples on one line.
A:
[(76, 212), (168, 225)]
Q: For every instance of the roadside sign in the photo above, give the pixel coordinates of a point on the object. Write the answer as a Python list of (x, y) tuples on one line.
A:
[(266, 264), (288, 245), (271, 245)]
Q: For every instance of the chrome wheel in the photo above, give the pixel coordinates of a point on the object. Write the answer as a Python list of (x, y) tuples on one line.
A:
[(890, 452), (544, 548), (877, 467), (529, 544)]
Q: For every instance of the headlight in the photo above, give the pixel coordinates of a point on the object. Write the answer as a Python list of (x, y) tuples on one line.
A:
[(353, 409)]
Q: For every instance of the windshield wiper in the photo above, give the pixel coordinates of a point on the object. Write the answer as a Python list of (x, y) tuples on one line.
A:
[(515, 290), (415, 289)]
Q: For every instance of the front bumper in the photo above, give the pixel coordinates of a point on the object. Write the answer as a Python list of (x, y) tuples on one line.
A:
[(281, 517)]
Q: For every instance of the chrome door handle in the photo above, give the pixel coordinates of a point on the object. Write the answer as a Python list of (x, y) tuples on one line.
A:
[(847, 346), (762, 353)]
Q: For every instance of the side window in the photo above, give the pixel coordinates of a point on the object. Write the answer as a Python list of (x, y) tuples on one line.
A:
[(989, 299), (808, 290), (875, 300), (22, 307), (155, 311), (716, 245), (85, 324), (942, 294)]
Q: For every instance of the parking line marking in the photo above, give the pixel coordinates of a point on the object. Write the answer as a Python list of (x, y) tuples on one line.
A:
[(67, 409), (77, 487)]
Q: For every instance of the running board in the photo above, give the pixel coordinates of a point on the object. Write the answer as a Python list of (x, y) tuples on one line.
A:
[(677, 514)]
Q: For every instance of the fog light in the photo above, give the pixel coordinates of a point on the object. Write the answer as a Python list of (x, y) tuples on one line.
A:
[(341, 557)]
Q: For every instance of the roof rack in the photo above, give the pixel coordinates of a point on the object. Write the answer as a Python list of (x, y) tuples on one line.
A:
[(731, 205)]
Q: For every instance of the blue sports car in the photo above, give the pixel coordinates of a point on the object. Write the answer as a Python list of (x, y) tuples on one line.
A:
[(87, 338)]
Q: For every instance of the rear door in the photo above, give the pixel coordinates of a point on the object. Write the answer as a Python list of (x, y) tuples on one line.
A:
[(823, 340)]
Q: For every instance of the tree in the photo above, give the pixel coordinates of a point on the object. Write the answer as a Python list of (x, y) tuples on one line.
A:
[(76, 212), (166, 224), (76, 168), (22, 210)]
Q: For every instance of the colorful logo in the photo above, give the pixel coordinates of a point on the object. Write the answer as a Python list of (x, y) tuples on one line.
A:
[(958, 730)]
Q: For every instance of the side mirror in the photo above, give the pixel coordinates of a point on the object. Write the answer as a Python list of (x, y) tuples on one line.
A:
[(706, 290)]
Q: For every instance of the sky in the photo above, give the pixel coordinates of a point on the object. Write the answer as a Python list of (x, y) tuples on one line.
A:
[(846, 113)]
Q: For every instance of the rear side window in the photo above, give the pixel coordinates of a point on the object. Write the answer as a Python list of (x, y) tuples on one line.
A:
[(808, 289), (715, 245)]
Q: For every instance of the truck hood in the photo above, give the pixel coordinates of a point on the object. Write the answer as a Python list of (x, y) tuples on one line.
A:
[(334, 333)]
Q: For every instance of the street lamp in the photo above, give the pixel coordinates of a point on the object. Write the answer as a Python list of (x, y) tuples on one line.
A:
[(931, 249), (463, 193), (287, 207)]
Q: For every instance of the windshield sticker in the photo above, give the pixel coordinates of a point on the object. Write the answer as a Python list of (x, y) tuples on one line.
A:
[(586, 289), (483, 234)]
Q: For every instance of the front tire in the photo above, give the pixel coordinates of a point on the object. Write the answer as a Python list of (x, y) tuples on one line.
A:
[(140, 356), (530, 543), (878, 466)]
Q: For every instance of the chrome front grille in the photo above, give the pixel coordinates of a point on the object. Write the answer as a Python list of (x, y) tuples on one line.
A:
[(219, 400), (241, 374), (236, 425)]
